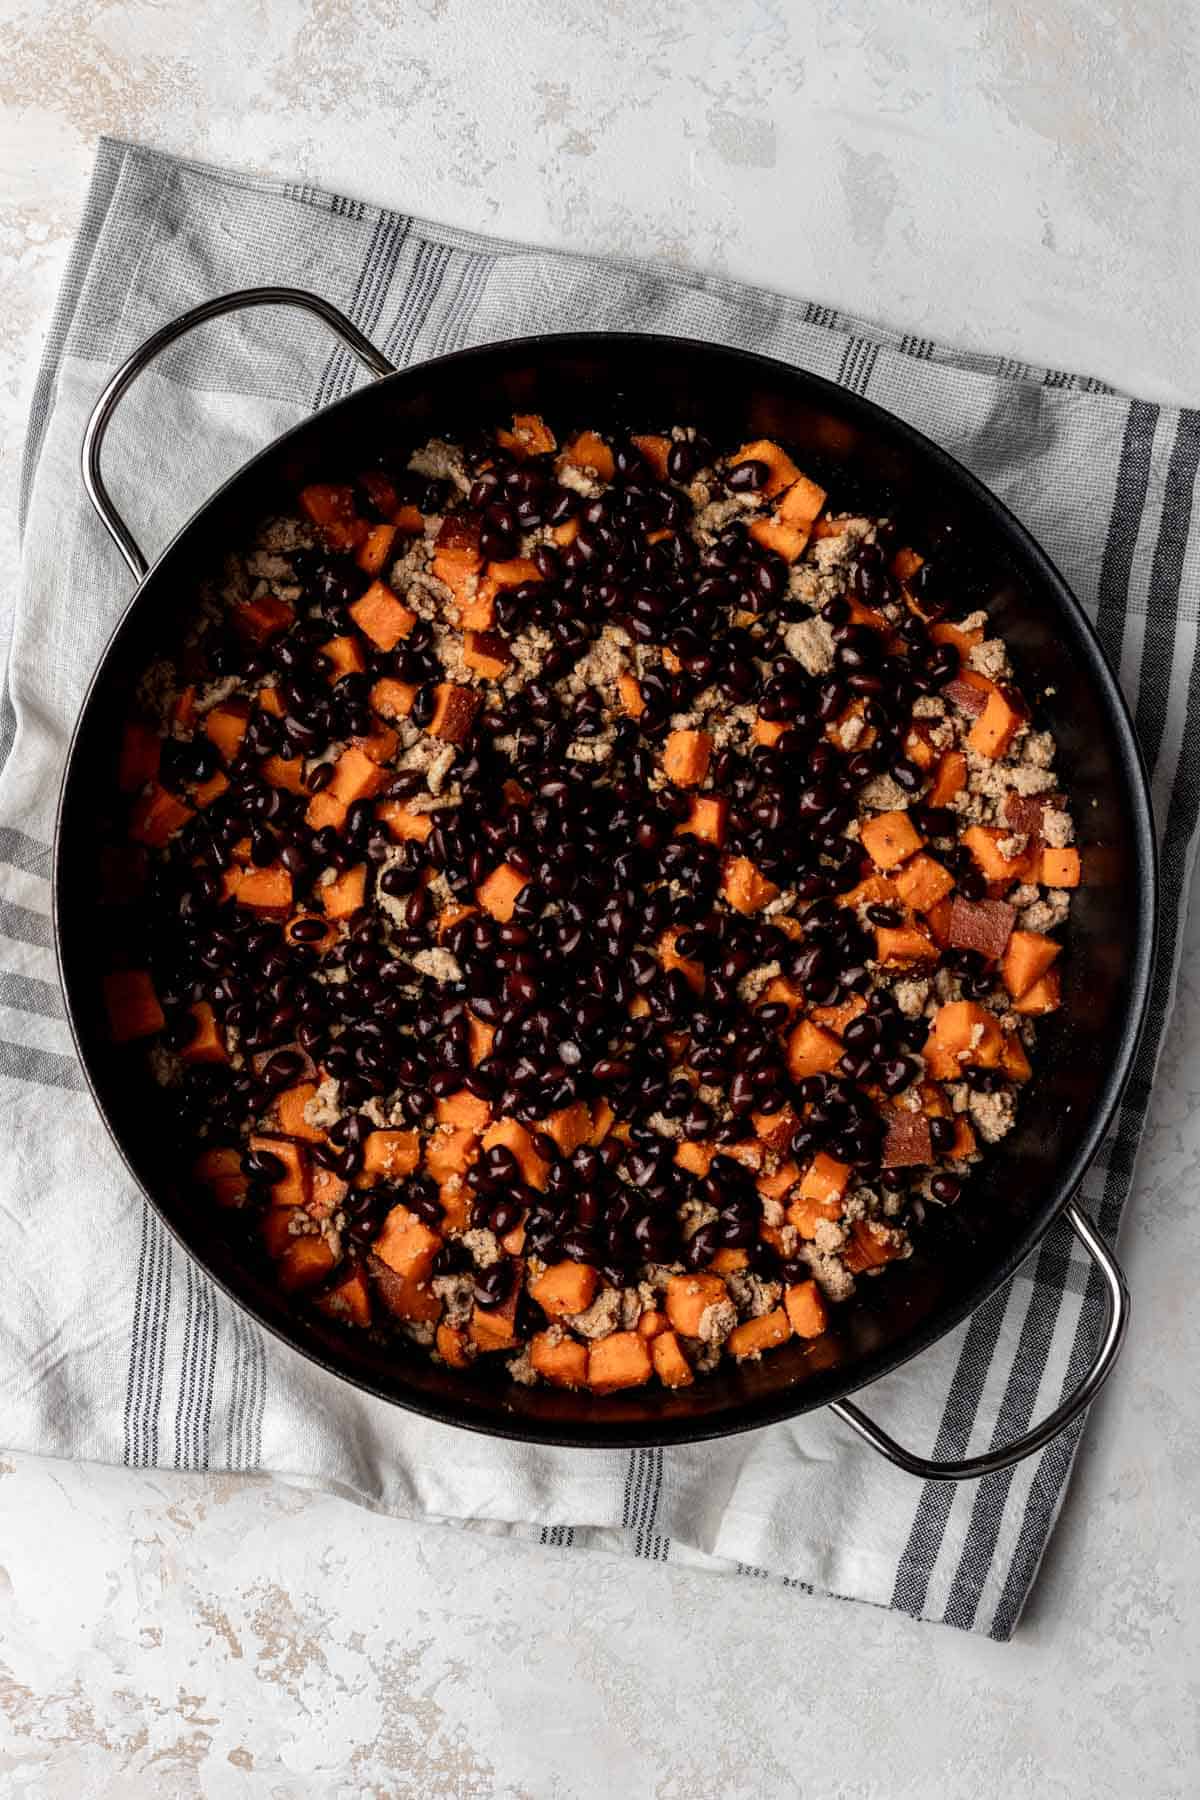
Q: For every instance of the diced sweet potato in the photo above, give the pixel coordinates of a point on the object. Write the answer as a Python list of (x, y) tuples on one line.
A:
[(328, 1192), (157, 815), (982, 925), (670, 1364), (689, 1297), (873, 890), (812, 1051), (805, 1307), (294, 1186), (407, 1297), (1013, 1060), (285, 772), (918, 748), (983, 841), (346, 893), (331, 509), (776, 1129), (530, 436), (779, 1182), (905, 564), (348, 1301), (889, 838), (1045, 996), (380, 743), (376, 549), (727, 1262), (306, 1261), (654, 451), (478, 613), (207, 1045), (464, 1111), (621, 1360), (629, 689), (487, 653), (587, 451), (402, 823), (266, 890), (405, 1243), (781, 470), (451, 1346), (225, 726), (691, 970), (996, 726), (951, 778), (457, 559), (1059, 868), (870, 1247), (570, 1126), (686, 757), (393, 699), (781, 539), (390, 1156), (566, 1287), (745, 887), (562, 1361), (132, 1005), (825, 1179), (652, 1323), (205, 792), (268, 698), (449, 1153), (922, 882), (898, 944), (907, 1142), (749, 1340), (944, 632), (479, 1039), (220, 1171), (262, 618), (513, 1136), (141, 751), (801, 504), (493, 1327), (355, 777), (963, 1033), (498, 892), (767, 731), (453, 713), (707, 818)]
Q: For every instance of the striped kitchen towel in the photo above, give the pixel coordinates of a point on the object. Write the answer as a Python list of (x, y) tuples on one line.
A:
[(113, 1345)]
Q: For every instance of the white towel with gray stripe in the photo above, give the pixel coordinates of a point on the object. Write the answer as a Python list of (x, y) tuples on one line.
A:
[(113, 1345)]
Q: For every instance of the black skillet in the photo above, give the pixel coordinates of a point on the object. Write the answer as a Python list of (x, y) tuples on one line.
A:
[(1085, 1052)]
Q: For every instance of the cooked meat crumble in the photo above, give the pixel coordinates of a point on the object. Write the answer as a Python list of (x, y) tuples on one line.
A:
[(591, 898)]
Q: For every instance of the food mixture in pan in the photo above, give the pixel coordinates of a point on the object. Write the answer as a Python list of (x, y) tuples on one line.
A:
[(591, 898)]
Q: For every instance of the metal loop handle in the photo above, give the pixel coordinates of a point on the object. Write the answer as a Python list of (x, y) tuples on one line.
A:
[(1116, 1320), (97, 426)]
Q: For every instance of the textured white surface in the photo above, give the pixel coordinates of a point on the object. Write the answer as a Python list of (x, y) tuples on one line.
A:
[(1009, 177)]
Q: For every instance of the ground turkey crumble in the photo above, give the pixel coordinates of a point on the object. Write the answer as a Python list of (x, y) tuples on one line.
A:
[(633, 888)]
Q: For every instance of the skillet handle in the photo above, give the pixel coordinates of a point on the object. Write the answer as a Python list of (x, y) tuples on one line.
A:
[(1115, 1323), (97, 426)]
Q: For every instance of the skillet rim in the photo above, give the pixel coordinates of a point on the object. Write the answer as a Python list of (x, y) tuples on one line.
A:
[(752, 1412)]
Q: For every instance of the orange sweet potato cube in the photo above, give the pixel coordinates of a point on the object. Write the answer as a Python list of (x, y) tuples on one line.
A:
[(629, 688), (1059, 868), (132, 1005), (621, 1360), (670, 1364), (499, 891), (750, 1339), (265, 890), (767, 731), (745, 887), (922, 882), (141, 752), (781, 470), (453, 713), (390, 1156), (530, 436), (776, 1129), (983, 841), (889, 838), (513, 1136), (355, 777), (686, 757), (403, 824), (289, 1113), (805, 1307), (587, 451), (811, 1050), (689, 1297), (306, 1261), (801, 503), (285, 772), (346, 893), (566, 1287), (996, 726), (825, 1180), (1045, 996), (156, 817), (348, 1301), (1028, 956), (463, 1111), (263, 618), (408, 1297), (450, 1153), (962, 1033), (393, 699), (1013, 1060), (787, 541), (451, 1346), (898, 944), (294, 1186), (406, 1244), (487, 653), (376, 548), (208, 1043), (225, 726), (205, 792), (570, 1126), (871, 1246), (691, 970), (331, 509), (562, 1361), (493, 1327), (707, 818), (951, 778), (479, 1040)]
